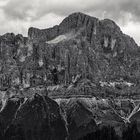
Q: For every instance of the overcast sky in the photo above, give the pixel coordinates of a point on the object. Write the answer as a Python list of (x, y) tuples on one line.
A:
[(18, 15)]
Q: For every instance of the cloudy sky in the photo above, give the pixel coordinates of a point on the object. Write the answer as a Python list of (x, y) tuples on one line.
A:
[(18, 15)]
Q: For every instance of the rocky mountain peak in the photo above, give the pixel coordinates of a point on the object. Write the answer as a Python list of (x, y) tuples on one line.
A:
[(73, 21), (82, 37), (88, 66), (110, 24), (77, 20)]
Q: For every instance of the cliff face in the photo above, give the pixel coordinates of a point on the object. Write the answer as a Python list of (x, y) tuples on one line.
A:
[(37, 117), (80, 45), (88, 68), (81, 41)]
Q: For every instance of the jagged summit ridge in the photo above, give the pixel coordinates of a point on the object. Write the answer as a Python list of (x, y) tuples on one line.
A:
[(73, 21)]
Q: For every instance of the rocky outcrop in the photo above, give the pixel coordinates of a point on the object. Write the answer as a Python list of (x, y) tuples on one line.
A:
[(32, 118), (88, 66), (85, 41), (86, 115), (80, 45)]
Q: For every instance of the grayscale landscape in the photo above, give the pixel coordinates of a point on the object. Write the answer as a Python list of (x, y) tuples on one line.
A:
[(78, 80)]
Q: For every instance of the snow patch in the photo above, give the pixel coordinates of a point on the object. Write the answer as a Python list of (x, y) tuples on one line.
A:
[(61, 38)]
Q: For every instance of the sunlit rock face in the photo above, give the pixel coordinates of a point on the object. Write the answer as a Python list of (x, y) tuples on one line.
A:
[(64, 82)]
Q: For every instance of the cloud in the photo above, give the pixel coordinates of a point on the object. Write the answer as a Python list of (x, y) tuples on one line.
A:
[(3, 2), (20, 9), (19, 15), (120, 10), (132, 29)]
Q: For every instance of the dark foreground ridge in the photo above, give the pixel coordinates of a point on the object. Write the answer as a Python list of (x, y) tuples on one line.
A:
[(77, 80)]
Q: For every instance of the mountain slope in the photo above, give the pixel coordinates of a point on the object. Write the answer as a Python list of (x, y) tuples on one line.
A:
[(88, 67)]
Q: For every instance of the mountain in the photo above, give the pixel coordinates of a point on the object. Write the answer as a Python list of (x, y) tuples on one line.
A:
[(69, 80), (85, 40), (37, 117)]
